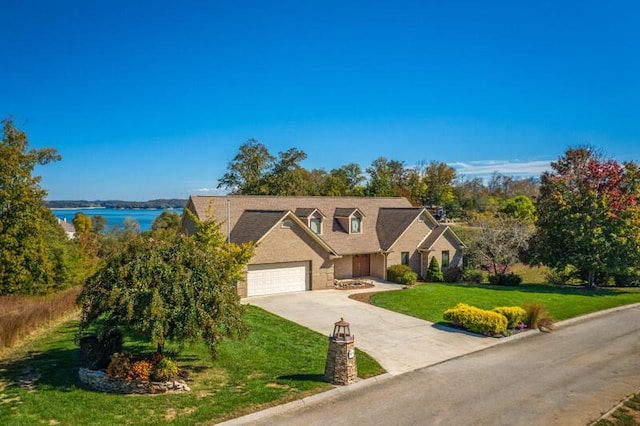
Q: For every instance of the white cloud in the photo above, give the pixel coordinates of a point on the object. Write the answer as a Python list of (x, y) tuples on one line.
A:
[(211, 191), (505, 167)]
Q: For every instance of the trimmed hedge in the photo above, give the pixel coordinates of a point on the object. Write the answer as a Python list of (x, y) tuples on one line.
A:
[(476, 319), (515, 315), (401, 274)]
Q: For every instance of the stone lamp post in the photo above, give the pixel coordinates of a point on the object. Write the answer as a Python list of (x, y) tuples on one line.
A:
[(341, 368)]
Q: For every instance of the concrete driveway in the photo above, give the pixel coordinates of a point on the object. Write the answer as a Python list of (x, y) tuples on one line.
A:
[(400, 343)]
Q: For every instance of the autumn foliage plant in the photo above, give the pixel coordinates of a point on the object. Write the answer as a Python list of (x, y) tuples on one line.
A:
[(142, 368)]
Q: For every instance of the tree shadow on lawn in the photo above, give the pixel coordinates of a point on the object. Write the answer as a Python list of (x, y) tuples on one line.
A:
[(548, 289), (55, 368), (303, 377)]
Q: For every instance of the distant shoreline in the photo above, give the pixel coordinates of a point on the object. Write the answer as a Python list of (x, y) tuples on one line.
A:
[(77, 208)]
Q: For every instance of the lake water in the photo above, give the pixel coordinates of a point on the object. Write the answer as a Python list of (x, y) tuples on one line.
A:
[(115, 217)]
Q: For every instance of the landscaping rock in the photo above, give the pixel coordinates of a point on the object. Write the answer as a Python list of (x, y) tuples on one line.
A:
[(99, 381)]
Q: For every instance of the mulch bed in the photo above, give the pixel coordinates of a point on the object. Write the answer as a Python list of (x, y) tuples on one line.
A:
[(363, 297)]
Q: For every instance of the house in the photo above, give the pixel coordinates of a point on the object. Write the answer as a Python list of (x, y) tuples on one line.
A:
[(69, 229), (305, 243)]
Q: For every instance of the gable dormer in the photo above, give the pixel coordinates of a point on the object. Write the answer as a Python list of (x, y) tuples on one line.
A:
[(350, 219), (314, 219)]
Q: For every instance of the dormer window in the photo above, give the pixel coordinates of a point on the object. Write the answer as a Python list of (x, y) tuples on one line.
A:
[(356, 225), (350, 219), (315, 223)]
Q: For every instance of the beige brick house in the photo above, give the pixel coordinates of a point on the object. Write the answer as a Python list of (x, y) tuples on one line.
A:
[(305, 243)]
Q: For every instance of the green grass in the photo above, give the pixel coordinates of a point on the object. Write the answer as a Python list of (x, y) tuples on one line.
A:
[(429, 301), (277, 362)]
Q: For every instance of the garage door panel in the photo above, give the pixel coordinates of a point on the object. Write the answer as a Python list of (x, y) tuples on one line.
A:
[(277, 278)]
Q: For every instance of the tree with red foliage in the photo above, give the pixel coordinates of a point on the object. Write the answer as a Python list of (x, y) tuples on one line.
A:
[(588, 216)]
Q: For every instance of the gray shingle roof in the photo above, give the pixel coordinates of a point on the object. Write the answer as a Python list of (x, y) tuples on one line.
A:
[(253, 224), (261, 214), (392, 222)]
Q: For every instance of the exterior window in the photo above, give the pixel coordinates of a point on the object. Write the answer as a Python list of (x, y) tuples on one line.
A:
[(404, 257), (356, 225), (445, 258), (315, 225)]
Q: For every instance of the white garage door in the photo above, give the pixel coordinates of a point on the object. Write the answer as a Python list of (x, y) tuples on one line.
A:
[(277, 278)]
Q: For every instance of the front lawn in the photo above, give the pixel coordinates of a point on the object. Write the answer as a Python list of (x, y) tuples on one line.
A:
[(277, 362), (429, 301)]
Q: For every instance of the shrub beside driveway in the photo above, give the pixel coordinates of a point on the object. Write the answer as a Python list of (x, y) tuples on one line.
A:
[(277, 362)]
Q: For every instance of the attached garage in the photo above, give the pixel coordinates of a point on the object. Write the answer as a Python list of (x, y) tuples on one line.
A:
[(277, 278)]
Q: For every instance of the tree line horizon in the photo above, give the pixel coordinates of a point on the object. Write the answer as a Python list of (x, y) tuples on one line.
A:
[(255, 171)]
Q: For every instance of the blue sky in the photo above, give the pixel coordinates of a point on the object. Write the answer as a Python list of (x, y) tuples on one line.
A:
[(152, 99)]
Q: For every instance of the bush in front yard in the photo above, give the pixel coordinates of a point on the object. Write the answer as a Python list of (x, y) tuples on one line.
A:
[(453, 274), (401, 274), (515, 315), (509, 279), (476, 319), (434, 274), (474, 276)]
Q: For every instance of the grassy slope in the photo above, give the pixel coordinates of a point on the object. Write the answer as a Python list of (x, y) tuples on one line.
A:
[(277, 362), (429, 301)]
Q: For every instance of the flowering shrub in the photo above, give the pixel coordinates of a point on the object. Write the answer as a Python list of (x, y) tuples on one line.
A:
[(514, 314), (476, 319)]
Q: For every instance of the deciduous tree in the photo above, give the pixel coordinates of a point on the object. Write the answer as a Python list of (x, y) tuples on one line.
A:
[(519, 207), (498, 241), (27, 263), (177, 288), (588, 215), (386, 178), (246, 172)]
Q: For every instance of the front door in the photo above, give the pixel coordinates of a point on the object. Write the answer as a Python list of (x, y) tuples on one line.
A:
[(361, 265)]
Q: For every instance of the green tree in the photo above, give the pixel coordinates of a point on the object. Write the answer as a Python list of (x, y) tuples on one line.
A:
[(588, 216), (247, 171), (82, 223), (176, 288), (99, 223), (87, 240), (287, 176), (519, 207), (27, 263), (166, 221), (439, 178), (386, 178)]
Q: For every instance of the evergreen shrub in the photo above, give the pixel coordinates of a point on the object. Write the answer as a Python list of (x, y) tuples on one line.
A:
[(434, 274), (509, 279), (515, 315), (476, 319), (401, 274)]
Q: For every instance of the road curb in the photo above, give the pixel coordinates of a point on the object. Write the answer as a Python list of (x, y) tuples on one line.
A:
[(339, 390), (312, 399), (581, 318)]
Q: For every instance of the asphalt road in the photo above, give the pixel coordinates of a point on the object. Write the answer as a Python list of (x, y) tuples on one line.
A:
[(568, 377)]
